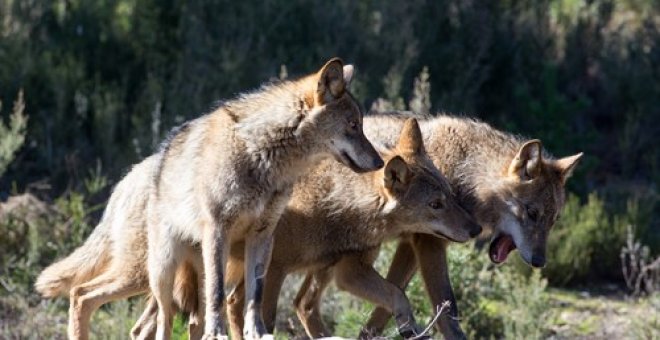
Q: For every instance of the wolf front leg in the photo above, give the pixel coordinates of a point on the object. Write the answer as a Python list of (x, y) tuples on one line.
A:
[(215, 250), (258, 249), (360, 278), (431, 254), (401, 271)]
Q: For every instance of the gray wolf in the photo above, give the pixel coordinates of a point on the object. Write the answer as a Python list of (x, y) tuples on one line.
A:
[(511, 185), (335, 223), (227, 177)]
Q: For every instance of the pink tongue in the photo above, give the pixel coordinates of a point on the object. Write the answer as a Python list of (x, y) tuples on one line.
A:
[(504, 247)]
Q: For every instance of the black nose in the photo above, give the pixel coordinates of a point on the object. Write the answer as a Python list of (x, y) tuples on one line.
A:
[(378, 163), (538, 261), (475, 230)]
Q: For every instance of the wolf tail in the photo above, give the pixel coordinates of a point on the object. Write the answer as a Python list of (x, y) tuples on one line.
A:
[(85, 262)]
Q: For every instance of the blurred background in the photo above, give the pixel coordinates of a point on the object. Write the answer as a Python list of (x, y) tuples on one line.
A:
[(90, 87)]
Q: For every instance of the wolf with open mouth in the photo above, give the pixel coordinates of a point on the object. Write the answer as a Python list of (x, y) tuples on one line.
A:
[(513, 188)]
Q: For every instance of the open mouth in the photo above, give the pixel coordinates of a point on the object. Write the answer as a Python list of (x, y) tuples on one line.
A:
[(500, 247)]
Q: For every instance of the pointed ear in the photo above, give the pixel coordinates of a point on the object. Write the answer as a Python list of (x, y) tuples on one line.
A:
[(397, 175), (527, 163), (410, 139), (566, 166), (331, 83), (348, 74)]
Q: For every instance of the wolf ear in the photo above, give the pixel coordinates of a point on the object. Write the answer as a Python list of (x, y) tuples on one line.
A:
[(397, 175), (349, 70), (331, 81), (528, 162), (410, 139), (566, 166)]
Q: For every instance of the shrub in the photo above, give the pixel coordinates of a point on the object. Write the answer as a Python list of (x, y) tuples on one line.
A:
[(12, 136), (587, 239), (496, 301)]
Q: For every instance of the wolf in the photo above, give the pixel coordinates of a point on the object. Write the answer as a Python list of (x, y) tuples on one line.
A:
[(335, 223), (510, 185), (227, 176)]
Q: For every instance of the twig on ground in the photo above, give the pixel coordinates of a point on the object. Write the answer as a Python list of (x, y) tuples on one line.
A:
[(439, 310)]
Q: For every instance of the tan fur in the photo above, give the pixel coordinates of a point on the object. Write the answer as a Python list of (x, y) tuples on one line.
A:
[(337, 220), (227, 176), (511, 186)]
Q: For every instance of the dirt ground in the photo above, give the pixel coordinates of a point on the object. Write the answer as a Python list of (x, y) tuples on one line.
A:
[(604, 313)]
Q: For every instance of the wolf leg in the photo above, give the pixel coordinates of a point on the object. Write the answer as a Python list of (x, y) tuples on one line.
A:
[(235, 308), (431, 253), (145, 327), (88, 297), (308, 301), (164, 254), (272, 287), (401, 271), (215, 249), (196, 321), (257, 255), (361, 279), (258, 250)]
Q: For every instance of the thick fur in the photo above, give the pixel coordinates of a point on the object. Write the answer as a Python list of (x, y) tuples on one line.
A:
[(334, 226), (513, 188), (227, 176)]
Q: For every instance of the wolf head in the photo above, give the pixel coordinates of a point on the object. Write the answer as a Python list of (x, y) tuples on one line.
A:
[(531, 198), (418, 195), (338, 118)]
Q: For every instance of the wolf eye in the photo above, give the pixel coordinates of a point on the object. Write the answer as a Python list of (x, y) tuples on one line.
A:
[(532, 213), (352, 124), (437, 204)]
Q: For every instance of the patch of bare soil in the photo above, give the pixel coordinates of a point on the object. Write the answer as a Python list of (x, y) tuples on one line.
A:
[(604, 314)]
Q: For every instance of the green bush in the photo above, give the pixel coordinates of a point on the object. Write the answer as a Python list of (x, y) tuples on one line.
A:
[(587, 239), (497, 301), (12, 136)]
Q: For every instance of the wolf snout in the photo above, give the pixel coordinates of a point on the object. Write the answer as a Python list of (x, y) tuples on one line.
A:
[(367, 163)]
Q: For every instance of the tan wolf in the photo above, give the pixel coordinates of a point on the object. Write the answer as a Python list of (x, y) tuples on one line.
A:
[(227, 176), (512, 186), (335, 223)]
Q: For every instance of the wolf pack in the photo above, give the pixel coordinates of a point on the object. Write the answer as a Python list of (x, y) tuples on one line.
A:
[(293, 178)]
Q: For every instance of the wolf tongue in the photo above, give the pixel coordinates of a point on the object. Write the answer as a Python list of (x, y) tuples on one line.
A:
[(504, 247)]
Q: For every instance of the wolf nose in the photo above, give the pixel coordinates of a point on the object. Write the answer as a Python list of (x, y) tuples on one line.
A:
[(538, 261), (475, 230), (378, 163)]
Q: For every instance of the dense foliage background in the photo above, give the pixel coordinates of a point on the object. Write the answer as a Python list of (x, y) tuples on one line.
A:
[(104, 80)]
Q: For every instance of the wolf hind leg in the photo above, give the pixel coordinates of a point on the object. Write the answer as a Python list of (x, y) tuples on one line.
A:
[(308, 300), (89, 296)]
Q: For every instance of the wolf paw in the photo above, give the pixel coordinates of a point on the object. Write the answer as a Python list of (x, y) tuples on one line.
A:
[(209, 336)]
